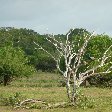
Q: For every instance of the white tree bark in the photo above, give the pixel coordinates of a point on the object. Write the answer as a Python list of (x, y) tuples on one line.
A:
[(67, 50)]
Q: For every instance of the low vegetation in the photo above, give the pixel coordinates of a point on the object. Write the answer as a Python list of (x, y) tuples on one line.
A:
[(46, 87)]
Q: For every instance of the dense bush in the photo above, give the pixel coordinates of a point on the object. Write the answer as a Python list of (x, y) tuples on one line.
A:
[(13, 63), (46, 64)]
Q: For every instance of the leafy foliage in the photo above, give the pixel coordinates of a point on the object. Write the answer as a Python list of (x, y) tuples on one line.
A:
[(12, 100), (13, 63), (24, 39)]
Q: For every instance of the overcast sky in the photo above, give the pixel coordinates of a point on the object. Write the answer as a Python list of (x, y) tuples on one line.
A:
[(58, 16)]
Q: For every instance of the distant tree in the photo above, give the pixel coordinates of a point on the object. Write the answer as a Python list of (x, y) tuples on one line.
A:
[(13, 63), (24, 38), (95, 49), (77, 69), (46, 64)]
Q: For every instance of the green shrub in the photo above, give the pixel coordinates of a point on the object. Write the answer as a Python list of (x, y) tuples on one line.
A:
[(13, 63), (84, 102), (12, 100)]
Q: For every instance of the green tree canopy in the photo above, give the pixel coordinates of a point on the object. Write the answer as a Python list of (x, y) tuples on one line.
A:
[(13, 63)]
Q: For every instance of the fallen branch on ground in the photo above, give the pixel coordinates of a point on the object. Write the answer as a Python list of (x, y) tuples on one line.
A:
[(26, 104)]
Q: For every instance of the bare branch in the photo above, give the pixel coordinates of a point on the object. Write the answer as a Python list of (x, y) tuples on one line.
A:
[(85, 77), (58, 66), (53, 38), (104, 58), (57, 60), (102, 63), (45, 51), (81, 52)]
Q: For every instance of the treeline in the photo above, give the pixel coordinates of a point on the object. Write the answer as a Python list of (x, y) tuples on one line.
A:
[(24, 39), (18, 44)]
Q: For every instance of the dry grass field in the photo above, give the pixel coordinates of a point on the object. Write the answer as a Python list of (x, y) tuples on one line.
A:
[(47, 87)]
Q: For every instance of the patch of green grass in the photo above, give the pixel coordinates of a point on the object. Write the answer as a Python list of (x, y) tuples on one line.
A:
[(39, 80), (45, 86)]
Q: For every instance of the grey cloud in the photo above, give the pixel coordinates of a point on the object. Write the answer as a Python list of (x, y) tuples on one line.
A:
[(57, 15)]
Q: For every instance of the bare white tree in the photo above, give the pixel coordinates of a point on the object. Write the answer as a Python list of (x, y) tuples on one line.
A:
[(73, 58)]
